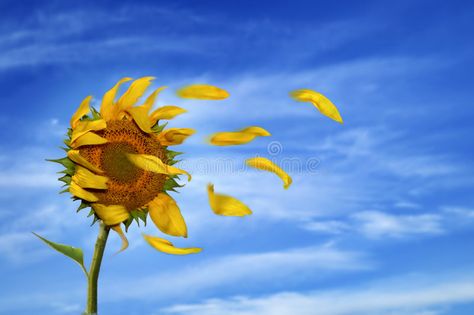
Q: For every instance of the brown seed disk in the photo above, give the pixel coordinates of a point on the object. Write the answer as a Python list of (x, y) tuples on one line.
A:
[(128, 185)]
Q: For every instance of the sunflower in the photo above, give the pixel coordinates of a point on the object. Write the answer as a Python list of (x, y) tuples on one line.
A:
[(119, 163)]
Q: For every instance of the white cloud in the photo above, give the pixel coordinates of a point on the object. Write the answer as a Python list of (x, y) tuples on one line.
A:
[(377, 224), (407, 297), (294, 264)]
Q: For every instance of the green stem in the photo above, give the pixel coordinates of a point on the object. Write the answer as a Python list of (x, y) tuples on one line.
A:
[(91, 307)]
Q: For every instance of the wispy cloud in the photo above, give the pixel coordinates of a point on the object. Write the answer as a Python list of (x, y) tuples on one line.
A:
[(404, 298), (253, 269)]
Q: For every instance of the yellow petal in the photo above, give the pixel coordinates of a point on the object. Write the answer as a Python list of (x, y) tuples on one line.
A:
[(76, 157), (80, 192), (255, 130), (108, 109), (174, 136), (83, 127), (226, 205), (153, 164), (203, 92), (111, 215), (238, 137), (267, 165), (151, 99), (81, 111), (166, 112), (321, 102), (134, 92), (118, 229), (166, 215), (167, 247), (86, 179), (89, 138), (140, 116)]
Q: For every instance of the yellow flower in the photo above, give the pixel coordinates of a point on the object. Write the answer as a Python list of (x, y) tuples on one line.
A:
[(118, 163)]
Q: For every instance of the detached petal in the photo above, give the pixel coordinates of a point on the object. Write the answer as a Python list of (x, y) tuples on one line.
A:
[(267, 165), (166, 112), (81, 111), (76, 157), (167, 247), (86, 179), (226, 205), (89, 138), (111, 215), (175, 136), (202, 92), (80, 192), (153, 164), (83, 127), (238, 137), (134, 92), (118, 229), (321, 102), (166, 215), (108, 108)]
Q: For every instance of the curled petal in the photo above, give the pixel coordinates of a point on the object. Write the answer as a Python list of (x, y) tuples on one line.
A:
[(111, 215), (81, 111), (153, 164), (134, 92), (83, 127), (88, 138), (108, 108), (226, 205), (151, 99), (118, 229), (267, 165), (238, 137), (140, 116), (167, 247), (76, 157), (80, 192), (166, 112), (321, 102), (202, 92), (166, 215), (175, 136), (86, 179)]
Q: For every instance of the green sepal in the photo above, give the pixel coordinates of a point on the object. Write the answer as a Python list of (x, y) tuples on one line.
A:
[(171, 184), (72, 252), (65, 161), (69, 132), (157, 128), (128, 222), (173, 162), (67, 142), (64, 190), (66, 179), (67, 171), (172, 154), (95, 113), (83, 205)]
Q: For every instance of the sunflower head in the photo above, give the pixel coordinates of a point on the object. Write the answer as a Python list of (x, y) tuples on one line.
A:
[(119, 163)]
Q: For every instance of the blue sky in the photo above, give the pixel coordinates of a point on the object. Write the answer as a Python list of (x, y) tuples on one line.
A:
[(380, 216)]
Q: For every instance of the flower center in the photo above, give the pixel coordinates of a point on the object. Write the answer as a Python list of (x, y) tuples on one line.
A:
[(128, 185), (116, 164)]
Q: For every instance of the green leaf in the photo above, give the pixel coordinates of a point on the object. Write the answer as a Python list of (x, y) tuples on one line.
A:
[(72, 252)]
